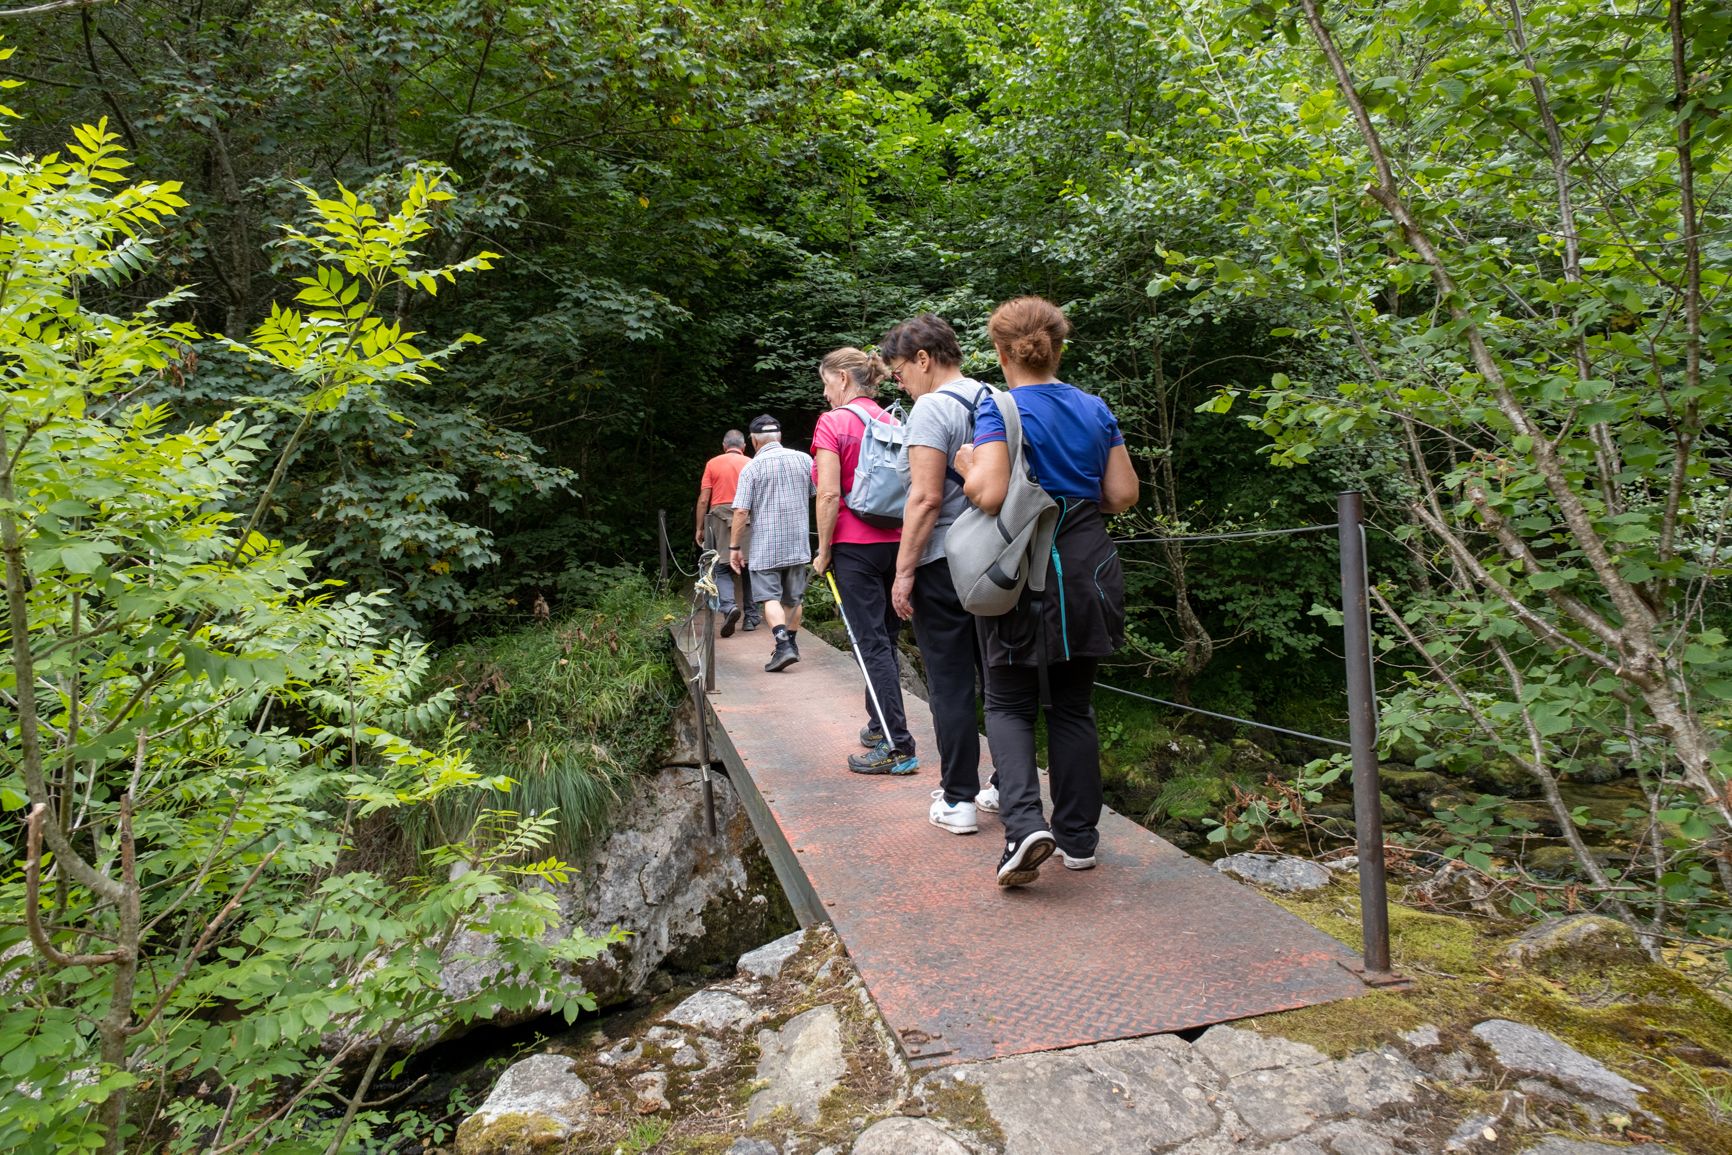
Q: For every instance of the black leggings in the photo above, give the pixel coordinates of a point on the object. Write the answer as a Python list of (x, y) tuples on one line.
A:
[(1073, 751)]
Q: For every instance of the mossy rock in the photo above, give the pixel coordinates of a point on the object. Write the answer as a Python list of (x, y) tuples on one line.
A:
[(1583, 941), (1413, 786), (1498, 776), (511, 1135), (1246, 757), (1538, 813), (1551, 861), (1394, 814), (1596, 772), (1190, 798)]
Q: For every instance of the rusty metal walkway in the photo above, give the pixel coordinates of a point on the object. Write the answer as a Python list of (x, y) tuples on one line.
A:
[(1150, 941)]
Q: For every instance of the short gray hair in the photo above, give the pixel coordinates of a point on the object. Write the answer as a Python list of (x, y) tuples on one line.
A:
[(733, 439)]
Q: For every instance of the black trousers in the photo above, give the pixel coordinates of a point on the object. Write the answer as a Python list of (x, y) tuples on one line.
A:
[(1073, 751), (951, 654), (864, 574)]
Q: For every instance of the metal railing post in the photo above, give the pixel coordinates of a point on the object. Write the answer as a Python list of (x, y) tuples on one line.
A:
[(700, 703), (1362, 737), (662, 543)]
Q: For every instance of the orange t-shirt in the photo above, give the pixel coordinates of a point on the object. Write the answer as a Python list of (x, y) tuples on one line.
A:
[(722, 476)]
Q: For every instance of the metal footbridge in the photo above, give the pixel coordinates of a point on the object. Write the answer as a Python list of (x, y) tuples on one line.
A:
[(1151, 941)]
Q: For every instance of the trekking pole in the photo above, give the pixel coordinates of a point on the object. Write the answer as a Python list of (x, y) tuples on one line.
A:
[(854, 643)]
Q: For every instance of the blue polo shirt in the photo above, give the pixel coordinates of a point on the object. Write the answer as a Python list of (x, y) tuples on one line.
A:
[(1067, 434)]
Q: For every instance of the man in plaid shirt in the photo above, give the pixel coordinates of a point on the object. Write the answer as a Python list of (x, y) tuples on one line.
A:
[(774, 493)]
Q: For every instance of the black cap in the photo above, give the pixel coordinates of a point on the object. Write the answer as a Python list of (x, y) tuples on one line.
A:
[(766, 424)]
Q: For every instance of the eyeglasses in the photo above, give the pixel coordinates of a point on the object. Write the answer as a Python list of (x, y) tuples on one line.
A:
[(896, 373)]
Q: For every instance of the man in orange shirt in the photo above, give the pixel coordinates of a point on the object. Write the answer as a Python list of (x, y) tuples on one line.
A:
[(715, 513)]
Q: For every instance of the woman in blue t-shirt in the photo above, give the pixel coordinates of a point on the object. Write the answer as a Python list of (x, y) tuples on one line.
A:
[(1076, 453)]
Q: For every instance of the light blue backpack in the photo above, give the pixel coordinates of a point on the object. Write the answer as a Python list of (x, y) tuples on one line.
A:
[(880, 489)]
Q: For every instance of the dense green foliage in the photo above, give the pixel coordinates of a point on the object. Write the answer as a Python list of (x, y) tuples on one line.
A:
[(197, 724), (571, 709), (1470, 258)]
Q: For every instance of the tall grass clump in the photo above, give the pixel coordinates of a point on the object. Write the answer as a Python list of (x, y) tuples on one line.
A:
[(571, 707)]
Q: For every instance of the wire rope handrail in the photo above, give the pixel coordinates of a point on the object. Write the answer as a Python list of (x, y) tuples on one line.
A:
[(1224, 717), (1233, 535)]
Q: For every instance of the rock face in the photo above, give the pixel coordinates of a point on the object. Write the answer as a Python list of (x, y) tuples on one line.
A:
[(687, 899), (536, 1105), (802, 1063), (1528, 1051), (1275, 871), (685, 896)]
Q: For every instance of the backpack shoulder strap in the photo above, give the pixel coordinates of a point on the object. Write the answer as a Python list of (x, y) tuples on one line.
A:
[(1012, 423)]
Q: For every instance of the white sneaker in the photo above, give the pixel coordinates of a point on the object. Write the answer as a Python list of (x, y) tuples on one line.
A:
[(1071, 863), (987, 799), (958, 819)]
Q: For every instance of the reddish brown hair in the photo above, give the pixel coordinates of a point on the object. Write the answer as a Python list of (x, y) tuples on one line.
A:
[(1030, 333)]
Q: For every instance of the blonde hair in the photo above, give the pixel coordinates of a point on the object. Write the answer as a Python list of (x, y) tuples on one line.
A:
[(864, 371), (1030, 332)]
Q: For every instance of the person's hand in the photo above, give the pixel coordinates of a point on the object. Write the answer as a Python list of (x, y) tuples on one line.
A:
[(821, 561), (699, 538), (736, 560), (901, 597), (964, 460)]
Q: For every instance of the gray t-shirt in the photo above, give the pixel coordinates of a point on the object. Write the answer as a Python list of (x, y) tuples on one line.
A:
[(945, 424)]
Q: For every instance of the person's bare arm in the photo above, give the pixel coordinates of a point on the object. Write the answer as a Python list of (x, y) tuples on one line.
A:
[(829, 504), (986, 474), (1120, 488), (736, 561), (703, 512), (919, 516)]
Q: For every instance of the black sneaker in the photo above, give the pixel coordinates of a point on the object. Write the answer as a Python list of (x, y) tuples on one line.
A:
[(871, 735), (1021, 862), (881, 759), (782, 657), (794, 640), (752, 624), (729, 622)]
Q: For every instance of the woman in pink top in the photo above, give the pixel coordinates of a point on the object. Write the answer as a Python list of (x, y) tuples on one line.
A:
[(863, 556)]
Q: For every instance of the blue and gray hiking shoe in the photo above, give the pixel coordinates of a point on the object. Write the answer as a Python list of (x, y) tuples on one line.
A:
[(881, 759), (871, 735)]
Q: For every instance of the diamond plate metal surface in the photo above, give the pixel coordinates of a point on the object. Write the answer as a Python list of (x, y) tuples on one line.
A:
[(1150, 941)]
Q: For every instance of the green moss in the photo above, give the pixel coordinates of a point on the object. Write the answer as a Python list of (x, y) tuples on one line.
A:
[(510, 1135), (1193, 797), (964, 1105), (1646, 1022)]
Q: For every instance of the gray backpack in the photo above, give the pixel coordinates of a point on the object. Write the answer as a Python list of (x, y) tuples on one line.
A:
[(992, 557), (880, 490)]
